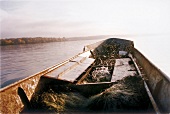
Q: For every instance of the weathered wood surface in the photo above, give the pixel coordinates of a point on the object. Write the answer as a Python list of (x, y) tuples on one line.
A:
[(66, 67), (73, 74), (122, 68), (71, 70), (10, 102)]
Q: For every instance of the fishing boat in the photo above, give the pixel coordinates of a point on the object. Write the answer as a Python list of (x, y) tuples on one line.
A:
[(108, 76)]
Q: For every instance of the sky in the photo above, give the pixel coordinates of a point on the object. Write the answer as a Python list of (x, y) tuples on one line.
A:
[(146, 22), (69, 18)]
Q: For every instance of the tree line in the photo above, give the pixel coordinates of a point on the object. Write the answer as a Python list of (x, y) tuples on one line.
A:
[(15, 41)]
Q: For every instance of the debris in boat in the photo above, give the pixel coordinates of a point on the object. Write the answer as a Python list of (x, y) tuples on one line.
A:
[(123, 54), (59, 102), (105, 62), (127, 94), (101, 74)]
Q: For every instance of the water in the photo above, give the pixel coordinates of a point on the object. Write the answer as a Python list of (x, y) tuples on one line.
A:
[(20, 61)]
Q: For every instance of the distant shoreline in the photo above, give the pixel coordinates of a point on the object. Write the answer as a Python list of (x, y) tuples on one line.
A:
[(18, 41)]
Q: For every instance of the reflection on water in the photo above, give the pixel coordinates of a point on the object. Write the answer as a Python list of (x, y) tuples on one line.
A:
[(20, 61)]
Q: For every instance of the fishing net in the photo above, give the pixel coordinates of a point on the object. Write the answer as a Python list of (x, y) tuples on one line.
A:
[(127, 94), (58, 102)]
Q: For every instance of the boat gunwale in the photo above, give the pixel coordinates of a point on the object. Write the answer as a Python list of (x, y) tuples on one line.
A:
[(41, 73), (155, 76), (152, 64)]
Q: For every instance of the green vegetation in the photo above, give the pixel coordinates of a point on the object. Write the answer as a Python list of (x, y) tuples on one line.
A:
[(34, 40), (15, 41)]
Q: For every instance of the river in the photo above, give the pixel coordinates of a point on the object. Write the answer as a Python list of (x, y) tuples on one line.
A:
[(20, 61)]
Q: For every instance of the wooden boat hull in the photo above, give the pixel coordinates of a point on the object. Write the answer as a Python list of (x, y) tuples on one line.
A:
[(10, 101), (158, 82)]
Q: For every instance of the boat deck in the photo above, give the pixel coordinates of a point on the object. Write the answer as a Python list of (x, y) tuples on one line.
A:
[(123, 68), (71, 70)]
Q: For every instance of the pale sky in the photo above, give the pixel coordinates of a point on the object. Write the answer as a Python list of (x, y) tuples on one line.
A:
[(147, 20), (68, 18)]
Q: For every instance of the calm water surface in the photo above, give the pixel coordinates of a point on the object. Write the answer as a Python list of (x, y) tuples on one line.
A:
[(20, 61)]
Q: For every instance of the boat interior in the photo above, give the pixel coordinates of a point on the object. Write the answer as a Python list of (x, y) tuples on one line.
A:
[(104, 79)]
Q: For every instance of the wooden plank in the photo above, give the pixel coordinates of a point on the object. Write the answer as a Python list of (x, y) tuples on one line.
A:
[(123, 69), (66, 67), (59, 70), (73, 74), (71, 70)]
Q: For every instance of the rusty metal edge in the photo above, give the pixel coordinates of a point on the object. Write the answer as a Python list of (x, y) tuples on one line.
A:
[(146, 87), (165, 76), (40, 73)]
